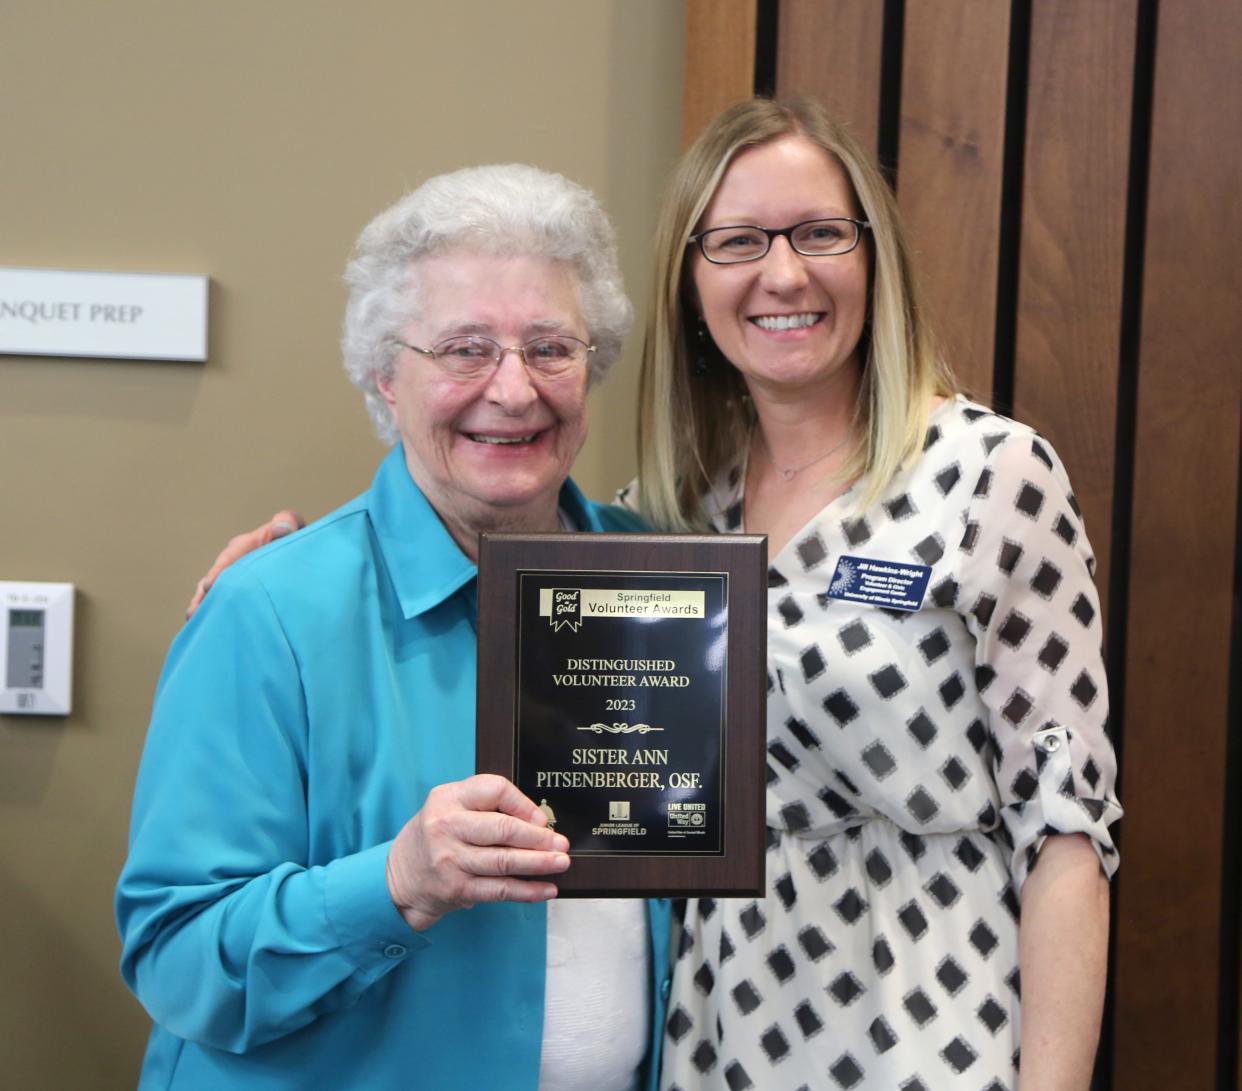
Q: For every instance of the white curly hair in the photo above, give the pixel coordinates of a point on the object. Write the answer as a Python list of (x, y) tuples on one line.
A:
[(508, 210)]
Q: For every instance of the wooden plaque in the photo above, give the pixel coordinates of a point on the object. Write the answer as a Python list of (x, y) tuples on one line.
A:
[(622, 686)]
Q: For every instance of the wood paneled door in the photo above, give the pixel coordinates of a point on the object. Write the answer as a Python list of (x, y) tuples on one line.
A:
[(1071, 176)]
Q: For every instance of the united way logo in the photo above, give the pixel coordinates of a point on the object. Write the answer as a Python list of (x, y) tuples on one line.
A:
[(844, 578)]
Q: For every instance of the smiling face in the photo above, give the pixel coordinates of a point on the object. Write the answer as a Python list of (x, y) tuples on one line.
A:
[(786, 322), (493, 452)]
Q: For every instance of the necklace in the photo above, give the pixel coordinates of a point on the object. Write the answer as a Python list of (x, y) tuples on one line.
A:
[(789, 473)]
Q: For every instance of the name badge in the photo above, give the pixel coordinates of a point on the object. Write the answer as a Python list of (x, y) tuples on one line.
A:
[(892, 585)]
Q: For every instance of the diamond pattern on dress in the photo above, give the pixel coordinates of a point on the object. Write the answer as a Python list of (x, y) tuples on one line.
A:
[(958, 1054), (913, 920), (784, 755), (992, 1015), (705, 979), (921, 805), (879, 870), (900, 507), (808, 1020), (679, 1024), (845, 1071), (790, 611), (983, 487), (1009, 556), (955, 773), (947, 479), (1064, 529), (840, 707), (774, 1043), (925, 718), (781, 964), (800, 731), (854, 637), (922, 729), (753, 920), (746, 997), (1030, 500), (919, 1006), (857, 532), (1053, 653), (951, 975), (823, 861), (845, 989), (881, 1034), (812, 662), (704, 1056), (1083, 611), (943, 890), (983, 939), (850, 906), (879, 759), (882, 956), (815, 945), (786, 890), (888, 681), (1046, 580), (811, 551), (929, 550), (934, 645)]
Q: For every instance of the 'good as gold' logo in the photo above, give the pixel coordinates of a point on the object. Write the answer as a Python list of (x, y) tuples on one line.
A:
[(561, 606)]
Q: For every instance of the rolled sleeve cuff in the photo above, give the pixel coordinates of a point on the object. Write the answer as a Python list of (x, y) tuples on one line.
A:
[(1057, 808)]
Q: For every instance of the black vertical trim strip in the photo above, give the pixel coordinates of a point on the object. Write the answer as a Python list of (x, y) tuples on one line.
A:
[(1009, 234), (767, 25), (888, 127), (1229, 1006), (1125, 440)]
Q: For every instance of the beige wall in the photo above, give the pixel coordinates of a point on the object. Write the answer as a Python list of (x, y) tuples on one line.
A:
[(249, 142)]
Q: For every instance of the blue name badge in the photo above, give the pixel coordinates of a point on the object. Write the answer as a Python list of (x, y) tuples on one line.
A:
[(893, 585)]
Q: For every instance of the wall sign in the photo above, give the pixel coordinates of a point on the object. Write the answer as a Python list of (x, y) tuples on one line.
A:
[(130, 316)]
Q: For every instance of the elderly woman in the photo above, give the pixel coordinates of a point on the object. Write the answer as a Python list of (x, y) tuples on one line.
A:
[(306, 834), (936, 723)]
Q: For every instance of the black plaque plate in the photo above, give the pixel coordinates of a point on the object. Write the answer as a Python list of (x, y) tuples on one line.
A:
[(621, 686)]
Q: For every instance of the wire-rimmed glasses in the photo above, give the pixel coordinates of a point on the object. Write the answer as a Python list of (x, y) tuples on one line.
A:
[(749, 242), (553, 356)]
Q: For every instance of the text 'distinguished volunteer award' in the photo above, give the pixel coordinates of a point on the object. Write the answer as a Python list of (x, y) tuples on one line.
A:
[(621, 687)]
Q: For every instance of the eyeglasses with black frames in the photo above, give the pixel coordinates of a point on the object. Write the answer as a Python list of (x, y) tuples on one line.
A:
[(554, 356), (749, 242)]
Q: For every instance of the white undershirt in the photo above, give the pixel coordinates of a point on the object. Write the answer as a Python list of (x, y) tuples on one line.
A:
[(596, 1003)]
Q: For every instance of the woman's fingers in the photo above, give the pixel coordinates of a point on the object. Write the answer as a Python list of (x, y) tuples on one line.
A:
[(488, 792), (482, 890), (494, 862), (282, 523), (489, 828), (475, 840)]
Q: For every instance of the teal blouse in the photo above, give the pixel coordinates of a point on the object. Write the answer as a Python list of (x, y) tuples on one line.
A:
[(325, 686)]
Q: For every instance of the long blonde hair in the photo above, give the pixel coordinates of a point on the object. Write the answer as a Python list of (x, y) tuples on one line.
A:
[(693, 429)]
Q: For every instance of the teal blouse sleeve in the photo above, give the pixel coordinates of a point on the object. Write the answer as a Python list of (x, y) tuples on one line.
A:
[(232, 936)]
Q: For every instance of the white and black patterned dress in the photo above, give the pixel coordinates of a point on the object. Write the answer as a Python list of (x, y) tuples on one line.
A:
[(915, 763)]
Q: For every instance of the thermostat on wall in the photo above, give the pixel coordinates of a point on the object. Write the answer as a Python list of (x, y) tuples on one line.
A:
[(36, 648)]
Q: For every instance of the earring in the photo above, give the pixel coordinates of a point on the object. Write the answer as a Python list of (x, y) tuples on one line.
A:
[(702, 349)]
